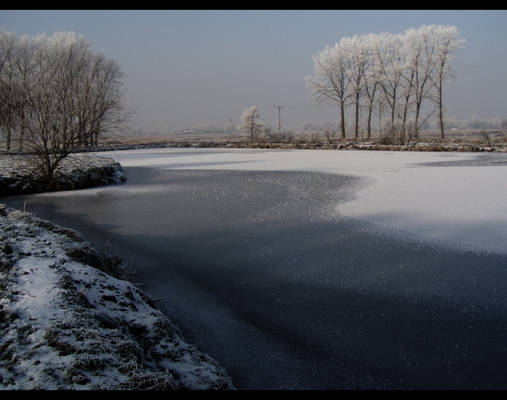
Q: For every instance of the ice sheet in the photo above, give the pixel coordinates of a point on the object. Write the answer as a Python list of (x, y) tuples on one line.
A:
[(464, 205)]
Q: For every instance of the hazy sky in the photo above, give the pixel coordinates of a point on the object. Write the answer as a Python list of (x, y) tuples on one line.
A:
[(191, 68)]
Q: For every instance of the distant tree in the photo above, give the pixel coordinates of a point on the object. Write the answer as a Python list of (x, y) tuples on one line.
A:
[(250, 122), (308, 126), (391, 63), (379, 109), (330, 80), (410, 52), (387, 72), (330, 135), (357, 50), (372, 82), (447, 41), (421, 49)]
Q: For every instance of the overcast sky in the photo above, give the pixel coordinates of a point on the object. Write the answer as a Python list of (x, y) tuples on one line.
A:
[(194, 68)]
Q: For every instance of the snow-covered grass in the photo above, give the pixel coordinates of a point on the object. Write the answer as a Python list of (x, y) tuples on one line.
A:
[(67, 323), (463, 204)]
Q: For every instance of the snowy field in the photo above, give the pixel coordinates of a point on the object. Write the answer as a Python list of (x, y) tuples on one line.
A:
[(454, 198)]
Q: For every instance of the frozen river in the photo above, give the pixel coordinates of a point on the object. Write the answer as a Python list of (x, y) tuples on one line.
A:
[(315, 269), (458, 199)]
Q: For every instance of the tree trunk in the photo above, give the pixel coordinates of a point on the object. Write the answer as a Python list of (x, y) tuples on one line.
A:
[(22, 132), (405, 107), (342, 116), (392, 118), (9, 135), (416, 123), (94, 133), (368, 133), (441, 112), (404, 124), (356, 122)]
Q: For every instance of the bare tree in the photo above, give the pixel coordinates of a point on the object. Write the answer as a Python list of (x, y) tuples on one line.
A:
[(422, 62), (330, 80), (100, 100), (357, 50), (59, 96), (410, 53), (391, 64), (379, 110), (8, 85), (373, 75), (447, 41), (249, 122), (24, 80), (399, 71)]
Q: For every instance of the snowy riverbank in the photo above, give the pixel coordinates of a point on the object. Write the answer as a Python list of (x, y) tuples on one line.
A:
[(67, 323), (77, 171)]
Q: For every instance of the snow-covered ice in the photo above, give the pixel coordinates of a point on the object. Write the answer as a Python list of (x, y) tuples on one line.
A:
[(464, 205)]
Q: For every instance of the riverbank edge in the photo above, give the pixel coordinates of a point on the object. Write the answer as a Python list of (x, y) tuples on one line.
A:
[(51, 353), (421, 147), (78, 171)]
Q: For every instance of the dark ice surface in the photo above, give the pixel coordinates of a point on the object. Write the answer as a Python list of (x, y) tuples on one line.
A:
[(260, 271)]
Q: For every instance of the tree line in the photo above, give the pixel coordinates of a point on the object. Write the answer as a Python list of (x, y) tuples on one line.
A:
[(56, 95), (395, 76)]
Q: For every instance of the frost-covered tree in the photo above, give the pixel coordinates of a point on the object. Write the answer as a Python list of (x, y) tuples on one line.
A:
[(446, 41), (372, 78), (57, 96), (391, 64), (410, 52), (356, 55), (250, 122), (420, 52), (330, 81), (399, 72), (9, 92), (25, 83)]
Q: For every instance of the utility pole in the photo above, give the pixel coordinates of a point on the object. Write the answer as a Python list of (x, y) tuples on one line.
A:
[(230, 119), (279, 108)]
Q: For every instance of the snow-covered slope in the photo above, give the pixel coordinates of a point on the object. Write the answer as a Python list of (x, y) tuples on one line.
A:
[(67, 323)]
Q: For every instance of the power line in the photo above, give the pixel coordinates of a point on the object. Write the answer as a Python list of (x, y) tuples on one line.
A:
[(488, 59), (483, 68), (485, 63), (480, 67), (279, 124)]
